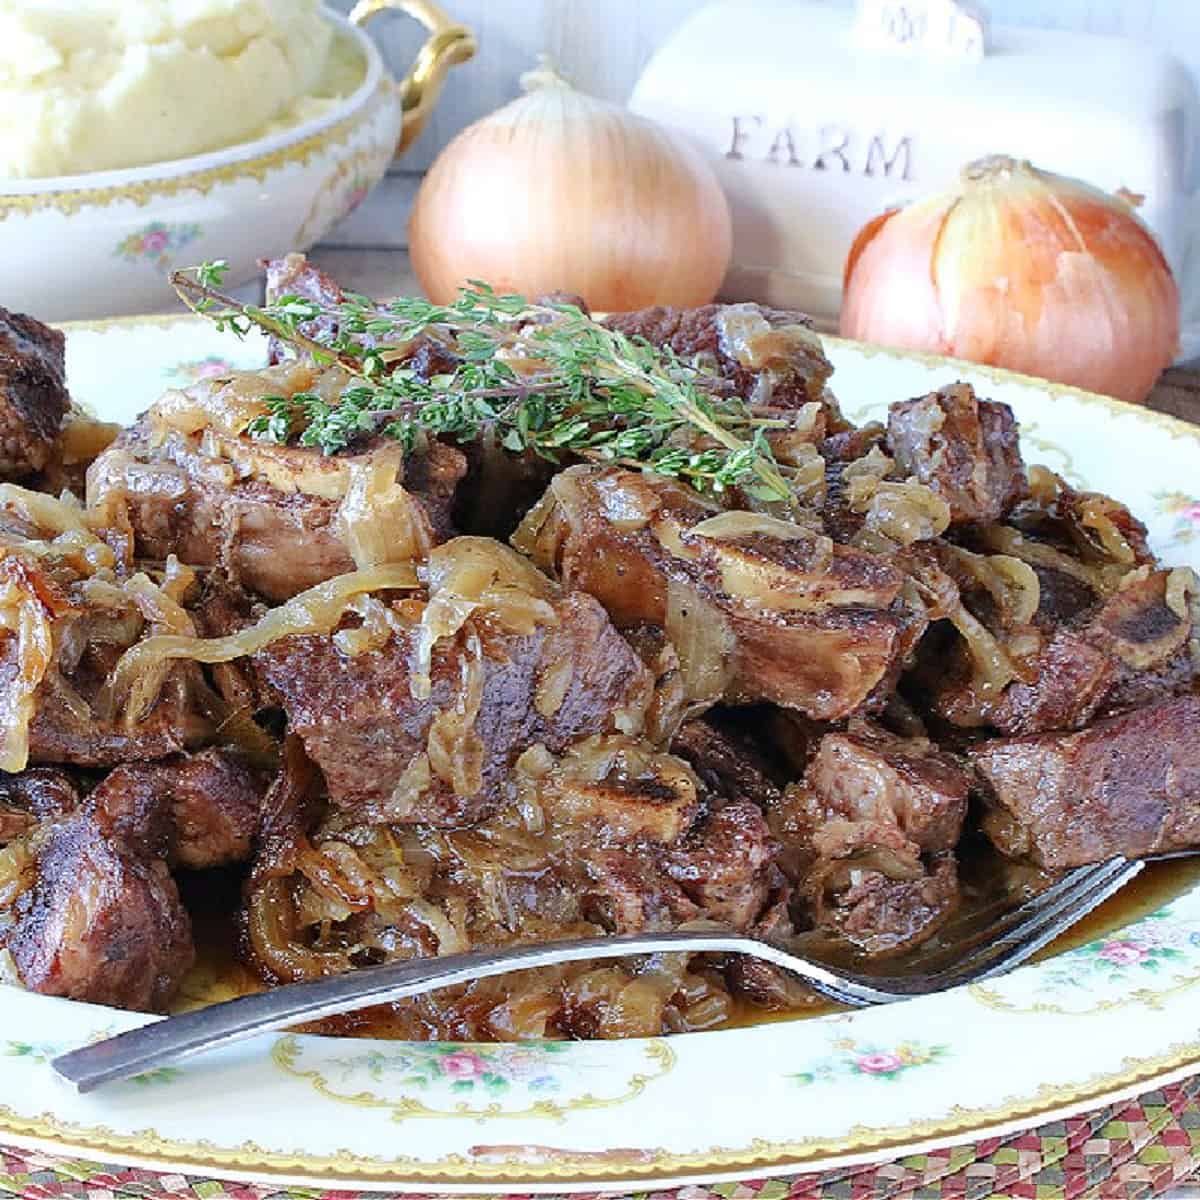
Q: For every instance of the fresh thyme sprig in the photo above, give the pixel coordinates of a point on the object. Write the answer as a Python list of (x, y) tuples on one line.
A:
[(545, 378)]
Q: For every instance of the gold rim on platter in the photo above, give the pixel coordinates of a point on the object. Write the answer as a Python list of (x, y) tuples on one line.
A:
[(581, 1167)]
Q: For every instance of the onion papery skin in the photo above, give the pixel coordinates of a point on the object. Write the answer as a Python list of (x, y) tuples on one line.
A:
[(1021, 269), (558, 191)]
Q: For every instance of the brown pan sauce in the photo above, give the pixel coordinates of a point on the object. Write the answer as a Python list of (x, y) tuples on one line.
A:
[(988, 884)]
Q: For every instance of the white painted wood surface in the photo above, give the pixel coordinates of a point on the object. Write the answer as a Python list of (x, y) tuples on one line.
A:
[(602, 46)]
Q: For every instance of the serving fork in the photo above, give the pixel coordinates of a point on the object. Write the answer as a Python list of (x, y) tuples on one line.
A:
[(999, 945)]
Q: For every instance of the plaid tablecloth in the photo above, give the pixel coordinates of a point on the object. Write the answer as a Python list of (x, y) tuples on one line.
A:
[(1149, 1147)]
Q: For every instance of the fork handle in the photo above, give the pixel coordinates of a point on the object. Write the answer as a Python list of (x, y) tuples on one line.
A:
[(160, 1042)]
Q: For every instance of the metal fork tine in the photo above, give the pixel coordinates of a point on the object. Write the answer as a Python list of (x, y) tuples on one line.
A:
[(1040, 921), (984, 932), (1026, 940), (1060, 908)]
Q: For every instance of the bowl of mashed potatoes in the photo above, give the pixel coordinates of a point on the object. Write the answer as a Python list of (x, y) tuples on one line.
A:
[(135, 138)]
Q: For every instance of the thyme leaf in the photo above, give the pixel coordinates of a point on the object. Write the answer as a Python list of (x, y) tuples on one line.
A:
[(544, 378)]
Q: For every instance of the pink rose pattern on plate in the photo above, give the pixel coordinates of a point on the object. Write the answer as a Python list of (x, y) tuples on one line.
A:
[(852, 1059), (1135, 956), (494, 1070), (1186, 511), (212, 366), (156, 244)]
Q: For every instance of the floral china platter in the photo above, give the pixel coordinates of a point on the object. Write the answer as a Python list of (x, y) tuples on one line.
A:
[(1107, 1019)]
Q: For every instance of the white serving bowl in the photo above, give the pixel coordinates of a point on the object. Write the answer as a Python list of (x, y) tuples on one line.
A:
[(103, 244)]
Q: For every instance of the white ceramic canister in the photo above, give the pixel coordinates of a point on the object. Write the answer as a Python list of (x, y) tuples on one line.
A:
[(819, 118)]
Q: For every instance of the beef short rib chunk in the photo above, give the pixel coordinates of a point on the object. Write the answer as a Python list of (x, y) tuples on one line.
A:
[(566, 678), (294, 275), (766, 611), (730, 768), (1135, 648), (727, 865), (188, 481), (869, 836), (1128, 785), (767, 355), (58, 733), (1087, 525), (965, 449), (1070, 684), (870, 775), (33, 394), (90, 624), (102, 920), (103, 923), (1148, 632), (32, 797), (197, 810), (883, 904)]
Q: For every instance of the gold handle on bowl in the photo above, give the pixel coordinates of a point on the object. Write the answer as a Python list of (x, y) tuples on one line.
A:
[(448, 45)]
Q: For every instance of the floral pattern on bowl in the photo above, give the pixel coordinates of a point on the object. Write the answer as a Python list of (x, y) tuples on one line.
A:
[(1143, 964), (157, 243), (853, 1060), (341, 193), (494, 1070)]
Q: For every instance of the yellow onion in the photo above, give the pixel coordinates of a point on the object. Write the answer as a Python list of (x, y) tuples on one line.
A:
[(1022, 269), (561, 191)]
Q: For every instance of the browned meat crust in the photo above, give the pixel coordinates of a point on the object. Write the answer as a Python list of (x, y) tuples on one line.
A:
[(964, 449), (104, 923), (1129, 785), (269, 516), (1133, 649), (766, 354), (729, 768), (101, 919), (783, 614), (58, 734), (727, 867), (351, 711), (33, 394), (871, 776), (1071, 682), (869, 837), (880, 910), (33, 797), (198, 810)]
